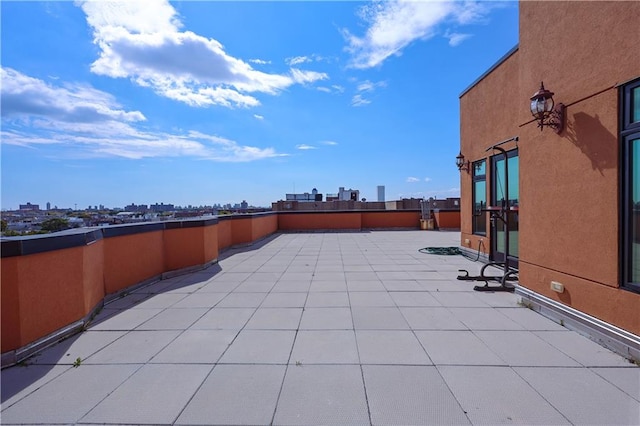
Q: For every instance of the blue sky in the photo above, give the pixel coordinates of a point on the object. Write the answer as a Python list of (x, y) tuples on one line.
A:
[(217, 102)]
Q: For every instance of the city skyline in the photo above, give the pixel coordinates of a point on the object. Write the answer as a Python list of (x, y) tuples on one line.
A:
[(215, 102)]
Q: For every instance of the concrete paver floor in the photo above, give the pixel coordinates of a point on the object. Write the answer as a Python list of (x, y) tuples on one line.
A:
[(324, 328)]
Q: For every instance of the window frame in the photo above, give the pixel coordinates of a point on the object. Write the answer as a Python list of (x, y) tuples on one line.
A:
[(483, 215), (629, 132)]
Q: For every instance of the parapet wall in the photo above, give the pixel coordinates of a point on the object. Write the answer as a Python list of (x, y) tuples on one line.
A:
[(55, 282)]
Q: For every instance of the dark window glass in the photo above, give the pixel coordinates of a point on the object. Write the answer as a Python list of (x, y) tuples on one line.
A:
[(479, 197), (634, 226), (630, 184), (499, 197), (635, 105)]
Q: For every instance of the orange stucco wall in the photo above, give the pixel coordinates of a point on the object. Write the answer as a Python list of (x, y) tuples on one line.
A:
[(10, 299), (569, 182), (262, 226), (317, 221), (131, 259), (183, 247), (224, 234), (447, 219), (391, 219)]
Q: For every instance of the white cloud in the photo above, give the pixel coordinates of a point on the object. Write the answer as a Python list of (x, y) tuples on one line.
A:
[(394, 24), (338, 88), (259, 61), (142, 41), (455, 38), (358, 100), (323, 89), (427, 179), (329, 143), (304, 77), (86, 122), (412, 179), (296, 60), (258, 117), (24, 96), (305, 147), (368, 86)]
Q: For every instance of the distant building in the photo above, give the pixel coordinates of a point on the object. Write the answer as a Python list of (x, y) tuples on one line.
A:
[(349, 194), (244, 205), (30, 207), (136, 208), (306, 197), (161, 208), (48, 206), (380, 192)]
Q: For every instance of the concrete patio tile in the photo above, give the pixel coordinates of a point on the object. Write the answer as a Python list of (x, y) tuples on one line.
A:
[(431, 318), (264, 277), (125, 320), (378, 319), (413, 298), (296, 276), (583, 350), (582, 396), (200, 300), (255, 287), (524, 348), (126, 301), (500, 300), (530, 320), (390, 347), (322, 394), (229, 276), (458, 299), (361, 276), (326, 319), (155, 394), (160, 301), (444, 285), (320, 286), (284, 300), (373, 285), (291, 286), (325, 347), (398, 275), (68, 397), (497, 395), (625, 379), (135, 347), (401, 285), (224, 318), (336, 299), (484, 319), (357, 267), (21, 380), (173, 319), (260, 347), (457, 348), (371, 299), (218, 287), (275, 319), (80, 346), (242, 300), (196, 347), (410, 395), (236, 395), (421, 274)]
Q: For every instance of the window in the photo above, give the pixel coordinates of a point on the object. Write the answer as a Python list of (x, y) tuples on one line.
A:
[(479, 197), (630, 174)]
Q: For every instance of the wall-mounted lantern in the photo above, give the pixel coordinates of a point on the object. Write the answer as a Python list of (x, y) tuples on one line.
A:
[(462, 165), (542, 109)]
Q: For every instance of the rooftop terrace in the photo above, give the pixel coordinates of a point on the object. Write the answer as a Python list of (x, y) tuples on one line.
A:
[(323, 328)]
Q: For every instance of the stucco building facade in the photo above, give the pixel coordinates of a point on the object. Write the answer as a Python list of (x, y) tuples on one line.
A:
[(573, 196)]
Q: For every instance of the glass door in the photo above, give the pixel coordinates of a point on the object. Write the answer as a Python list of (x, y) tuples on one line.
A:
[(501, 196)]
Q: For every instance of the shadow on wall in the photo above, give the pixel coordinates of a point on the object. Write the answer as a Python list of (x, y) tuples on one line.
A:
[(594, 140)]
